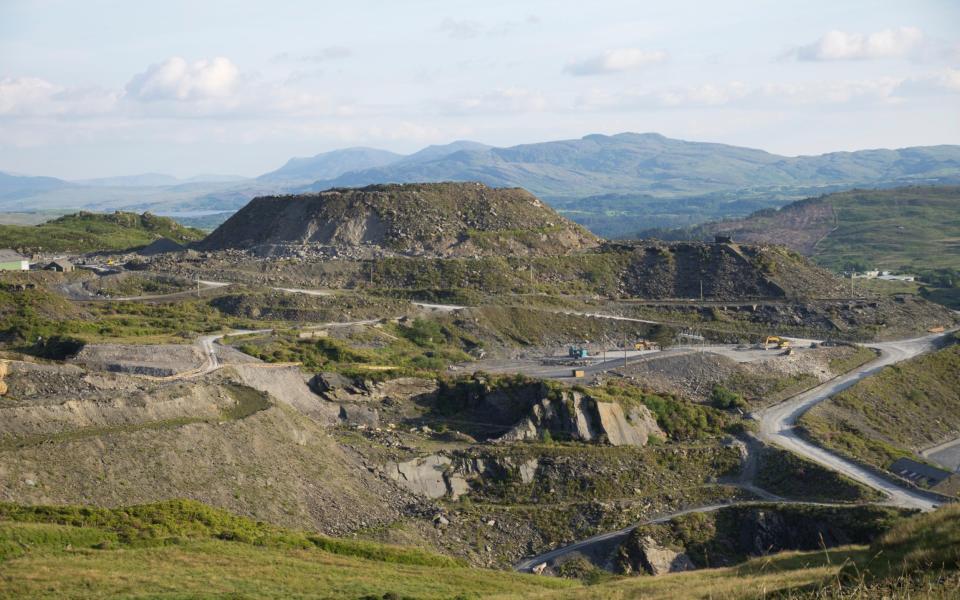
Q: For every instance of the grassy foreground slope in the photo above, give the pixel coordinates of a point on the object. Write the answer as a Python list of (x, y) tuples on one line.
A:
[(187, 550), (88, 232), (894, 413)]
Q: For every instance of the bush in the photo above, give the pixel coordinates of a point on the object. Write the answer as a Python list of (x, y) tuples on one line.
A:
[(424, 333), (722, 398)]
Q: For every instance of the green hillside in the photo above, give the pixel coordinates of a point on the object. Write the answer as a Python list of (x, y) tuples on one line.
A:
[(909, 228), (89, 232), (912, 230), (188, 550)]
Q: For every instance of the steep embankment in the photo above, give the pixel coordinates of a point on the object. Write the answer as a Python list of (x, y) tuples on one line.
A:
[(440, 219)]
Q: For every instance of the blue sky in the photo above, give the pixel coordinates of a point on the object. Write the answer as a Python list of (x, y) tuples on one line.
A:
[(92, 88)]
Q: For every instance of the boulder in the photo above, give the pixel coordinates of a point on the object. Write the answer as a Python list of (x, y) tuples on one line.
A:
[(431, 476), (647, 556), (354, 414), (323, 383)]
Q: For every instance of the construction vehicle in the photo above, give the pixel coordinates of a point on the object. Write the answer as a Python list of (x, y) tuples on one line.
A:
[(937, 329), (775, 341), (644, 345), (577, 352)]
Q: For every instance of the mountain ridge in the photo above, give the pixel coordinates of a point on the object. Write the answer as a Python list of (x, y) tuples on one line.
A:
[(646, 179)]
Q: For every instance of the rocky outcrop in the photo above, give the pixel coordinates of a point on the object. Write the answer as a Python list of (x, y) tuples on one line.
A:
[(431, 476), (439, 476), (579, 417), (503, 410), (568, 416), (733, 534), (643, 555), (634, 429)]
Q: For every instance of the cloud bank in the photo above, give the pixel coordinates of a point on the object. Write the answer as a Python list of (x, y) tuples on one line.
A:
[(841, 45)]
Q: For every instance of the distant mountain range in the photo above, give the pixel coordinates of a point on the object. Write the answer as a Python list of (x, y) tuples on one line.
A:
[(613, 184)]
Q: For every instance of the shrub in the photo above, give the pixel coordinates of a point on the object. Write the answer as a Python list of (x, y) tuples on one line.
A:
[(722, 398)]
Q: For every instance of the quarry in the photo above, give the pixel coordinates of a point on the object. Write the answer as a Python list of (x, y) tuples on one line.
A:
[(457, 368)]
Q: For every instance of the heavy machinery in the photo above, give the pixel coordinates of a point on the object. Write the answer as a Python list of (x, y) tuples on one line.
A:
[(775, 341), (577, 352), (644, 345)]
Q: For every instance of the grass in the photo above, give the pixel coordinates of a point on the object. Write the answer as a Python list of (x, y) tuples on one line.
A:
[(679, 419), (859, 357), (424, 347), (92, 232), (927, 544), (191, 550), (29, 314), (901, 229), (185, 549), (791, 476)]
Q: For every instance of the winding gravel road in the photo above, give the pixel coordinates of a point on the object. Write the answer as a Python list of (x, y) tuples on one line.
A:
[(778, 423), (778, 427)]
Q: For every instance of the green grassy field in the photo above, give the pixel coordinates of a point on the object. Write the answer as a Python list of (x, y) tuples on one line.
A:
[(182, 549), (90, 232)]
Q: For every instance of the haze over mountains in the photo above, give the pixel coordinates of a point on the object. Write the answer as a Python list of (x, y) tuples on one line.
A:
[(629, 180)]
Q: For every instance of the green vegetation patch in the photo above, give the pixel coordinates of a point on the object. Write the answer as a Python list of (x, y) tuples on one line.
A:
[(193, 550), (91, 232), (790, 476), (680, 419), (422, 347), (733, 534)]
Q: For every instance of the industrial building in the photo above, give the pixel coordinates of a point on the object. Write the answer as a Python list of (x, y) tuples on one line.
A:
[(11, 260)]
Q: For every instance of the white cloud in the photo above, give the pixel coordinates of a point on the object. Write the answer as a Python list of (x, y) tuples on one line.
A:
[(32, 96), (613, 61), (176, 79), (841, 45)]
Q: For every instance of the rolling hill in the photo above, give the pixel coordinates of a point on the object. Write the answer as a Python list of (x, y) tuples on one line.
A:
[(911, 229), (86, 232)]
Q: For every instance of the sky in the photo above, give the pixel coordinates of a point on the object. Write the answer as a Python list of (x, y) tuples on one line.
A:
[(93, 88)]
